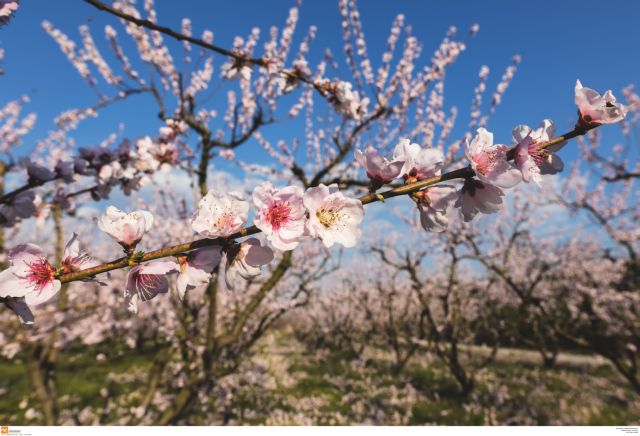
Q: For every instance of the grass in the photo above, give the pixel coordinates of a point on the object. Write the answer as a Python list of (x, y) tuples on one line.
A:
[(299, 386)]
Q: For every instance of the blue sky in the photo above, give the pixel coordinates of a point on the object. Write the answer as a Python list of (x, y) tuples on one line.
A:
[(558, 40)]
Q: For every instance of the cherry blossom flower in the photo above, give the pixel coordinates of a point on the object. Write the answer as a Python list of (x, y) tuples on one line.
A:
[(146, 281), (598, 109), (245, 260), (151, 156), (65, 171), (333, 217), (489, 161), (533, 161), (30, 275), (7, 9), (39, 174), (220, 215), (345, 100), (75, 259), (240, 66), (288, 83), (126, 229), (195, 268), (418, 163), (280, 214), (379, 169), (476, 196), (21, 206), (434, 205)]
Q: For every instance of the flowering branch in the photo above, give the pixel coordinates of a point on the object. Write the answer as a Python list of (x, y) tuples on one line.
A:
[(35, 182), (172, 33), (462, 173)]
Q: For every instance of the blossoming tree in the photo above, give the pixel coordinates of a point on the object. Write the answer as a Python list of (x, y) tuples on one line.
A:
[(379, 134)]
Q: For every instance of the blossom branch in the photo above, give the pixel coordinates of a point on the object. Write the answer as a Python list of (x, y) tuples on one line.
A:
[(37, 182), (172, 33), (123, 262)]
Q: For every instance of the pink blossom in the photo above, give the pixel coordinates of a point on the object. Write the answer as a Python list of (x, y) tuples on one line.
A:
[(476, 196), (379, 169), (598, 109), (434, 205), (75, 259), (333, 217), (65, 170), (280, 214), (151, 156), (489, 161), (21, 206), (238, 68), (245, 260), (530, 158), (195, 268), (220, 215), (146, 281), (7, 9), (30, 275), (345, 100), (126, 229), (418, 163), (39, 174)]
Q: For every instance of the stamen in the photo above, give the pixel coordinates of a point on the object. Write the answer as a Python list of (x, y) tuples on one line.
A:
[(41, 274), (278, 214)]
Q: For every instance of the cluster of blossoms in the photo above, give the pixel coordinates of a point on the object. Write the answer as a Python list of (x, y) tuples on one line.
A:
[(31, 280), (7, 10), (344, 99), (280, 213), (492, 169), (125, 166), (288, 83), (287, 215)]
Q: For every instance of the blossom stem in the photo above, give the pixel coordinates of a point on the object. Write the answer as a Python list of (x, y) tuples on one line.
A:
[(461, 173)]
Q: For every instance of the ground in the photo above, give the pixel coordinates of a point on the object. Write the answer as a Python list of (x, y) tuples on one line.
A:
[(284, 383)]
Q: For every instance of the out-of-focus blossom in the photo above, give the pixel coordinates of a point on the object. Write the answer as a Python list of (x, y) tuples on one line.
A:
[(195, 268), (434, 204), (20, 308), (20, 206), (418, 163), (30, 275), (151, 156), (345, 99), (333, 217), (7, 10), (379, 169), (39, 174), (289, 82), (280, 214), (476, 196), (245, 260), (598, 109), (532, 160), (220, 214), (65, 170), (127, 229), (237, 68), (146, 281), (489, 161)]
